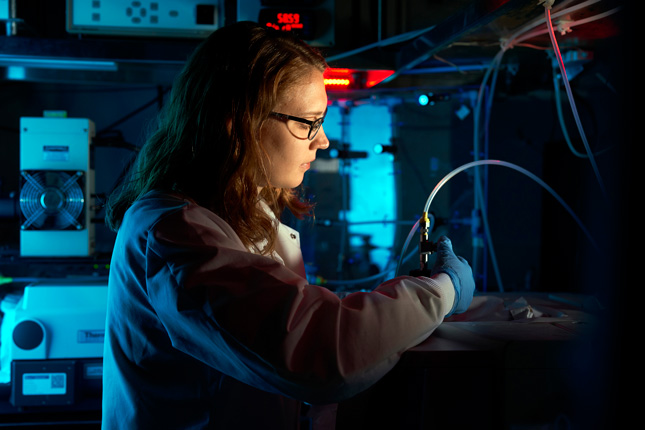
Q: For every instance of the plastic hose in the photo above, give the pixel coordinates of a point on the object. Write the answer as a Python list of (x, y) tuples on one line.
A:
[(519, 169), (459, 169)]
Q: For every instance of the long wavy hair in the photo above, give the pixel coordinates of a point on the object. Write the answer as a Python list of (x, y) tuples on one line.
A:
[(207, 143)]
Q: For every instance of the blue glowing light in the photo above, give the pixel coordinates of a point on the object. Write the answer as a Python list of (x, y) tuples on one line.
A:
[(371, 179), (16, 73)]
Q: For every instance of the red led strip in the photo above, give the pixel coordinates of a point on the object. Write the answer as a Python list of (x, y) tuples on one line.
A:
[(352, 79)]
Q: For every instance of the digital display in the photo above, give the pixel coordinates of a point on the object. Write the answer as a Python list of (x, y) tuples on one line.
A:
[(289, 20), (300, 22)]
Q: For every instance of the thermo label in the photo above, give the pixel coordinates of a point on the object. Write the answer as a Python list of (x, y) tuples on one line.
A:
[(90, 336)]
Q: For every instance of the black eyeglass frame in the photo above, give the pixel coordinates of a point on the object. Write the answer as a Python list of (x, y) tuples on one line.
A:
[(314, 126)]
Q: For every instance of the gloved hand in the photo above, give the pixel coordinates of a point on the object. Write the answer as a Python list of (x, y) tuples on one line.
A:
[(460, 273)]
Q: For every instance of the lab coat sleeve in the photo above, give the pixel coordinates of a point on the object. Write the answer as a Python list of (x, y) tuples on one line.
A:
[(254, 319)]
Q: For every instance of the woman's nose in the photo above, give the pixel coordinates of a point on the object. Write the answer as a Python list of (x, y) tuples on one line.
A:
[(321, 141)]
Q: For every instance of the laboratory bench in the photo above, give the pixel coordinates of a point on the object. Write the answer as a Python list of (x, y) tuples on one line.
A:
[(512, 361)]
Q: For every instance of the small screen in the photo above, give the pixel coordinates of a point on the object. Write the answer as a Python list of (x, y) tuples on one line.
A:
[(299, 22)]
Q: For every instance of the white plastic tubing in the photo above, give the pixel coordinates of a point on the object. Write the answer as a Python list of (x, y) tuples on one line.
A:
[(515, 167), (527, 32), (524, 34)]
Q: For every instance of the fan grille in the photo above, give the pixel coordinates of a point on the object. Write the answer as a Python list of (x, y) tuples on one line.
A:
[(52, 200)]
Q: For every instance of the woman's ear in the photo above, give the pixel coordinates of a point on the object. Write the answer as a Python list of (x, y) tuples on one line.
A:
[(229, 125)]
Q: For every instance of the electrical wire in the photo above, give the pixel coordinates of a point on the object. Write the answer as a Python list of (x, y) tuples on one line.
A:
[(157, 100), (563, 127), (479, 201), (565, 80), (379, 44), (524, 33)]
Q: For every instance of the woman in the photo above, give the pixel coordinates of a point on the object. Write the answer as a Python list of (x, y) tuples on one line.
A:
[(210, 318)]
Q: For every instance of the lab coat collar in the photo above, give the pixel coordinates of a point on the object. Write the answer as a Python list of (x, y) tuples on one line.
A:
[(287, 250)]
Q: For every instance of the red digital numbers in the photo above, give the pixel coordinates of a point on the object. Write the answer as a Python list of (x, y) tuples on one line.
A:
[(288, 18), (286, 21)]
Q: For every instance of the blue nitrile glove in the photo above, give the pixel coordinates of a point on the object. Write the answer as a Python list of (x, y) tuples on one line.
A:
[(460, 273)]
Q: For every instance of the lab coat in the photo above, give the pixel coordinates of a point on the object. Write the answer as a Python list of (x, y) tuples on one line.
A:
[(203, 333)]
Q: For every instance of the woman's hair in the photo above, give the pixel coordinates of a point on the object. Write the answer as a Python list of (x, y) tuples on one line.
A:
[(207, 145)]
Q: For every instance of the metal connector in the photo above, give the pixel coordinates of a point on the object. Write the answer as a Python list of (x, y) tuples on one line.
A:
[(426, 247)]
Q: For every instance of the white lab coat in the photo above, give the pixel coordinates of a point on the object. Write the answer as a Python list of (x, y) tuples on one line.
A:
[(287, 249), (196, 322)]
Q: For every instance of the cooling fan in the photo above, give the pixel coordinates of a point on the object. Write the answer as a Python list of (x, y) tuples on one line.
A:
[(52, 200)]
